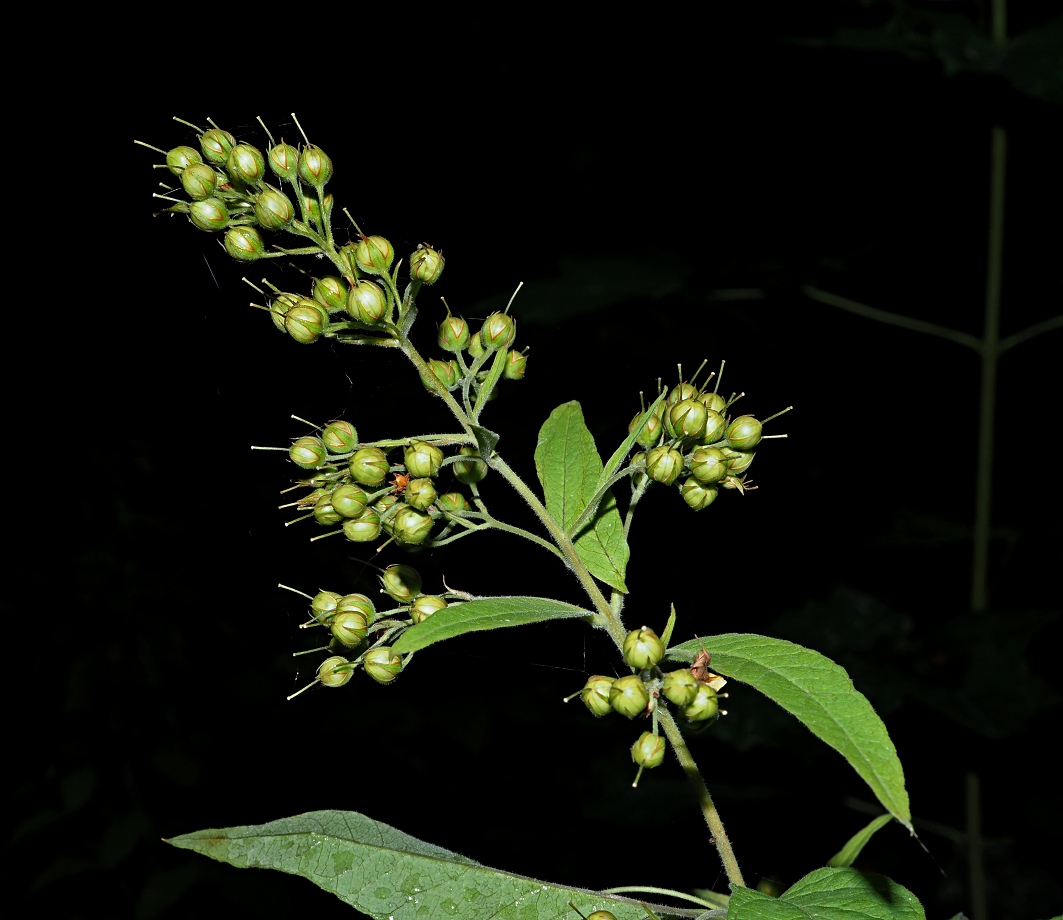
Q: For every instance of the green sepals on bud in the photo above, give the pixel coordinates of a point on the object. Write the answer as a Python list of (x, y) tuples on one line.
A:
[(331, 292), (642, 648), (334, 671), (425, 606), (516, 365), (422, 459), (323, 605), (283, 160), (367, 302), (314, 167), (426, 264), (680, 687), (686, 419), (698, 495), (708, 464), (359, 603), (349, 627), (628, 696), (382, 664), (180, 158), (410, 525), (346, 255), (199, 181), (476, 346), (362, 529), (369, 466), (664, 464), (210, 214), (738, 461), (744, 432), (648, 751), (499, 330), (374, 255), (273, 209), (350, 501), (279, 308), (308, 452), (713, 401), (339, 436), (216, 145), (245, 163), (420, 493), (305, 320), (651, 431), (244, 243), (453, 501), (472, 468), (715, 427), (401, 583), (704, 706), (453, 334), (595, 695), (325, 512), (680, 392), (446, 372)]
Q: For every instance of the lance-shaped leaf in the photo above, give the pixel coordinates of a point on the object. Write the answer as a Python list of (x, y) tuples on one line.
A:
[(847, 855), (829, 894), (569, 468), (821, 695), (482, 614), (387, 874)]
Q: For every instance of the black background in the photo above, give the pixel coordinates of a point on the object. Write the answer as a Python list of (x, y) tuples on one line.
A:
[(658, 210)]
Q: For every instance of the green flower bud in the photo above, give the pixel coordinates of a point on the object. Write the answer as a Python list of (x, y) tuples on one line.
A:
[(339, 436), (664, 464), (305, 320), (687, 419), (744, 432), (334, 672), (279, 308), (420, 493), (446, 372), (425, 606), (401, 583), (331, 292), (346, 255), (180, 158), (349, 627), (476, 346), (715, 427), (516, 365), (708, 464), (681, 392), (324, 512), (246, 164), (374, 255), (382, 664), (283, 160), (349, 501), (453, 501), (651, 431), (199, 181), (453, 334), (705, 705), (680, 687), (362, 529), (323, 605), (713, 401), (359, 603), (642, 648), (313, 207), (387, 506), (426, 264), (216, 145), (244, 243), (273, 210), (648, 751), (411, 525), (367, 302), (369, 466), (698, 495), (314, 167), (499, 330), (472, 469), (308, 452), (595, 695), (210, 214), (422, 459), (628, 696), (738, 461)]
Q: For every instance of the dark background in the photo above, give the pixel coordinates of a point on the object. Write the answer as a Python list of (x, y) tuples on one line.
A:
[(659, 209)]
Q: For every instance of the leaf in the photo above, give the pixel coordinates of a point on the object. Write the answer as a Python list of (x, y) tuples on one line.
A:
[(846, 856), (821, 695), (486, 440), (569, 467), (482, 614), (388, 874), (829, 894)]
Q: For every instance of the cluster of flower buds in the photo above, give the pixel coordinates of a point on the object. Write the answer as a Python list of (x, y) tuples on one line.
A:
[(691, 442), (472, 351), (361, 635), (350, 486)]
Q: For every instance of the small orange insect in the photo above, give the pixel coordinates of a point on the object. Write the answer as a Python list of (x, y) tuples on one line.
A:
[(400, 482)]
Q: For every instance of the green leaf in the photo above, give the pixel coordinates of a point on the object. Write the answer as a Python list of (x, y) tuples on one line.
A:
[(482, 614), (846, 856), (569, 467), (821, 695), (829, 894), (486, 440), (385, 873)]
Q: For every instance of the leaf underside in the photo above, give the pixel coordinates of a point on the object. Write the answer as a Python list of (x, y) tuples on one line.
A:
[(829, 894), (388, 875), (820, 694)]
